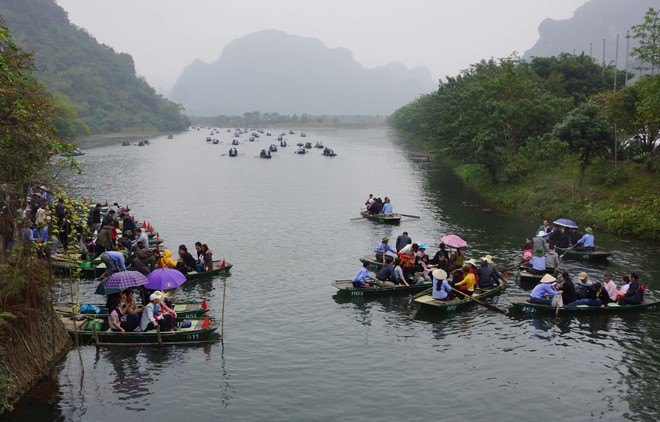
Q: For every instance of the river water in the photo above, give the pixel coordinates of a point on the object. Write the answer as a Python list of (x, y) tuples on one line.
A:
[(293, 351)]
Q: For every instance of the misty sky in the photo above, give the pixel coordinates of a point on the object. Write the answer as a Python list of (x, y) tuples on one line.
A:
[(164, 36)]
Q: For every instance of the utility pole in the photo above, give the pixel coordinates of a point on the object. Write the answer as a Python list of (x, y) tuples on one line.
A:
[(616, 70), (625, 82), (603, 59)]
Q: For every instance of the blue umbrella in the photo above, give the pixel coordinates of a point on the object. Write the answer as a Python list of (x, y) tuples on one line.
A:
[(564, 222), (165, 279)]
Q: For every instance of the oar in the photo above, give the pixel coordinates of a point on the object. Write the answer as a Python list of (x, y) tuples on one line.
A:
[(357, 218), (567, 250), (491, 307), (420, 294), (408, 215)]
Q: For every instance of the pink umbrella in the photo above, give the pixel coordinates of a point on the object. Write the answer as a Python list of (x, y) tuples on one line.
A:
[(453, 241)]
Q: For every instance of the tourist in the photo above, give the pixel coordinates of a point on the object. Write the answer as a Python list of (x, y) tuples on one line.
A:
[(186, 262), (385, 276), (64, 230), (145, 259), (602, 297), (114, 262), (208, 258), (387, 207), (635, 293), (545, 227), (402, 240), (625, 285), (552, 261), (489, 276), (104, 240), (441, 251), (128, 225), (442, 262), (564, 238), (441, 288), (133, 313), (538, 263), (554, 237), (94, 218), (26, 234), (376, 206), (109, 218), (539, 242), (610, 286), (40, 215), (465, 286), (457, 258), (164, 308), (398, 273), (569, 296), (382, 248), (40, 234), (586, 242), (472, 265), (60, 211), (584, 288), (542, 290), (116, 315), (150, 318), (360, 279), (369, 201), (166, 261), (141, 236)]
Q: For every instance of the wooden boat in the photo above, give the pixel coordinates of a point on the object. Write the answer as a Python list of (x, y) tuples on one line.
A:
[(233, 152), (529, 278), (265, 154), (374, 266), (273, 148), (346, 287), (183, 310), (68, 268), (329, 153), (585, 255), (319, 145), (301, 151), (91, 331), (521, 303), (428, 302), (283, 143), (217, 270), (308, 145), (381, 218)]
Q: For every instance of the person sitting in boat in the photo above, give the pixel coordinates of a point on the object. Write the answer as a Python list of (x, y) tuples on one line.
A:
[(140, 236), (441, 251), (564, 238), (569, 295), (551, 259), (133, 313), (441, 262), (150, 318), (369, 201), (585, 291), (539, 242), (360, 279), (385, 276), (586, 242), (145, 259), (457, 258), (166, 261), (407, 255), (114, 262), (635, 293), (116, 318), (165, 307), (472, 265), (186, 262), (554, 237), (543, 289), (465, 286), (537, 263), (387, 207), (489, 276), (602, 297), (382, 248), (399, 275), (441, 288), (376, 206), (610, 286), (625, 285)]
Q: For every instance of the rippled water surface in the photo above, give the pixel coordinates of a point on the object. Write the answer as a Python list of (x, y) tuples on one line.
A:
[(293, 351)]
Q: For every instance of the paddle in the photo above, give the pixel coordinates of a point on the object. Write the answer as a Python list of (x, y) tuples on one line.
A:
[(491, 307), (408, 215), (420, 294), (357, 218), (567, 250)]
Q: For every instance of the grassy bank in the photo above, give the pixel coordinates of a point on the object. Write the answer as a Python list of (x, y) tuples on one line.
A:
[(622, 201)]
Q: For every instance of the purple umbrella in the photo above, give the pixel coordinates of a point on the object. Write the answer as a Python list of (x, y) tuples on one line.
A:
[(565, 222), (165, 279), (453, 241), (125, 280)]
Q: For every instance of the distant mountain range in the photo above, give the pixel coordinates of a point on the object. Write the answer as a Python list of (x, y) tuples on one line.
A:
[(591, 23), (271, 71)]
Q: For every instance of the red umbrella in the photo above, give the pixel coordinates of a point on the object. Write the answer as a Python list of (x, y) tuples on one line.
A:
[(453, 241)]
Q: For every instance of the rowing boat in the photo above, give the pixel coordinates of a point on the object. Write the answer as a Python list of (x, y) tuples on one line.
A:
[(90, 331), (183, 310), (453, 305), (374, 266), (68, 268), (381, 218), (218, 269), (346, 287), (528, 278), (584, 255), (521, 303)]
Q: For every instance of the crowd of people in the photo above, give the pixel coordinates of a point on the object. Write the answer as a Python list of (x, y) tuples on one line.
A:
[(409, 264), (124, 315), (586, 292), (378, 205)]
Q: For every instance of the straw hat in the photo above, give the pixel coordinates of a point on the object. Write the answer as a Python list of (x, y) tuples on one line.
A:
[(488, 259), (588, 230), (583, 276), (385, 239), (472, 262), (548, 279), (439, 274)]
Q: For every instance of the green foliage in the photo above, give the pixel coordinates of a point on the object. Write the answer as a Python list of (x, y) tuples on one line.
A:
[(647, 34), (6, 386), (95, 88)]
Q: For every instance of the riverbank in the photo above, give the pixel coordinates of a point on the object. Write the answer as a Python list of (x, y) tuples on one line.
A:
[(624, 201)]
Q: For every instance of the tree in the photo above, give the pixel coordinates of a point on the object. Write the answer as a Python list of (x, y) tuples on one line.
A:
[(647, 34), (587, 133)]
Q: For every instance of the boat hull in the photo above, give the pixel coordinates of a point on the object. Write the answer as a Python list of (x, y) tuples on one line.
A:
[(520, 303), (382, 218), (427, 301), (583, 255)]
